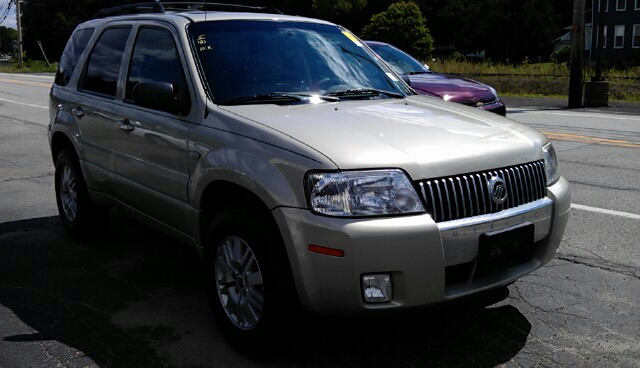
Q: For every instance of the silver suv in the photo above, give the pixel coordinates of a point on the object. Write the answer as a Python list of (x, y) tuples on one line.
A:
[(297, 163)]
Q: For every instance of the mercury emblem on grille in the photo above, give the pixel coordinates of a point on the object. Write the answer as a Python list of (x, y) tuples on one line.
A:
[(497, 190)]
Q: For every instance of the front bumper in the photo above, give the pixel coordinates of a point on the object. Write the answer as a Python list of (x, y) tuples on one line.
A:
[(421, 256), (497, 107)]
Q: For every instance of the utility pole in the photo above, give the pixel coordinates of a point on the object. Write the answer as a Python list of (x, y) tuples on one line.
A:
[(577, 54), (19, 34), (596, 91)]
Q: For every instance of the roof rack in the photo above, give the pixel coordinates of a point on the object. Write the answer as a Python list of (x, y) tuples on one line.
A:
[(160, 7), (140, 8)]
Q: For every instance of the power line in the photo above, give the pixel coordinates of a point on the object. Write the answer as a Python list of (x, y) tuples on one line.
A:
[(3, 17), (5, 3)]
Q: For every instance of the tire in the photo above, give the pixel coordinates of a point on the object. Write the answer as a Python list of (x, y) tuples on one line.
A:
[(79, 214), (249, 280)]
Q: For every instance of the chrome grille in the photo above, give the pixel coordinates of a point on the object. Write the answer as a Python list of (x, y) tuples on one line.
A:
[(461, 196), (488, 101)]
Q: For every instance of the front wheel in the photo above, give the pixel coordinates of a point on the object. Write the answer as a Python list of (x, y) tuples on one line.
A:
[(249, 280), (239, 283)]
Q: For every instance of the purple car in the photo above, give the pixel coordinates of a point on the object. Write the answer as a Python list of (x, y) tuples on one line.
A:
[(447, 87)]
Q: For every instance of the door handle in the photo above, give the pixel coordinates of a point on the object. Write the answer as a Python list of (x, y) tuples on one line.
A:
[(125, 125), (77, 111)]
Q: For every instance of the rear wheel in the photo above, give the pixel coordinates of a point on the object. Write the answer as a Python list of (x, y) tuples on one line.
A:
[(77, 211)]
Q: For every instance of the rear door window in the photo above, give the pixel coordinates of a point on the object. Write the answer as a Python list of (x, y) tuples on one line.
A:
[(105, 61)]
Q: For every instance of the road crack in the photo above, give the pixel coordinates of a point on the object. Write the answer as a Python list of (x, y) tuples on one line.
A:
[(28, 122), (603, 166), (601, 186), (50, 174), (49, 355), (613, 268)]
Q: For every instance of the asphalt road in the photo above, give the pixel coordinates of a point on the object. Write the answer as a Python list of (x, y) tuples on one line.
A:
[(133, 298)]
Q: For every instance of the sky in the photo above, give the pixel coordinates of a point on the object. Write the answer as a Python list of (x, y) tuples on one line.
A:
[(10, 21)]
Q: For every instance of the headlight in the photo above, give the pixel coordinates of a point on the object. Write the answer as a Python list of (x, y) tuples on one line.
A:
[(362, 193), (495, 93), (550, 164)]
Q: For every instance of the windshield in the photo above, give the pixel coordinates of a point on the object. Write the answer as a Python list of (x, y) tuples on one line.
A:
[(265, 61), (400, 61)]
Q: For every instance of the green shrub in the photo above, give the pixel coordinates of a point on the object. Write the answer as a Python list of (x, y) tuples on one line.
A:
[(562, 55), (403, 26)]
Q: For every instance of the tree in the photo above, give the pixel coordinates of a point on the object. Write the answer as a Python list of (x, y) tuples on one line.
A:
[(349, 13), (506, 29), (330, 7), (293, 7), (52, 21), (7, 36), (404, 26)]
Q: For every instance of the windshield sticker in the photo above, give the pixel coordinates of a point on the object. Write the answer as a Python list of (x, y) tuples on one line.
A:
[(393, 77), (353, 38), (202, 41)]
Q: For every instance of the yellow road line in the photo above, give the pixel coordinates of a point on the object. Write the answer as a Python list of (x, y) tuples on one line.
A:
[(28, 83), (587, 139)]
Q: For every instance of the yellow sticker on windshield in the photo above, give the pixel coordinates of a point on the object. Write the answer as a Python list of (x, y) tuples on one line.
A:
[(202, 41), (353, 38)]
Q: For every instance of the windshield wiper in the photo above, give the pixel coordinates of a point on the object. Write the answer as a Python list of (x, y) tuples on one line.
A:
[(267, 98), (364, 92), (278, 98), (419, 72)]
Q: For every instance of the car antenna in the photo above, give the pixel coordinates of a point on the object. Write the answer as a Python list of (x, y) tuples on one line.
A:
[(206, 61)]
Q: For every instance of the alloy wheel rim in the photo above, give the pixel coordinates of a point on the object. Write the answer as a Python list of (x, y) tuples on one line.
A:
[(68, 194), (239, 283)]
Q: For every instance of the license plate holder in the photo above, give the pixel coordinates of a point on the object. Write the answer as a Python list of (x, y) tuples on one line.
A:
[(505, 248)]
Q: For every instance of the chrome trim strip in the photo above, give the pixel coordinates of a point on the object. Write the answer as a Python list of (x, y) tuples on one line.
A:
[(511, 188), (540, 167), (455, 198), (475, 194), (446, 190), (484, 203), (526, 180), (470, 221), (534, 179), (486, 181), (520, 185), (424, 197), (463, 196), (466, 181), (433, 201), (440, 197)]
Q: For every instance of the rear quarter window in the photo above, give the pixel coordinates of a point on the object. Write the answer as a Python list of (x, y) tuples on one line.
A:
[(71, 54)]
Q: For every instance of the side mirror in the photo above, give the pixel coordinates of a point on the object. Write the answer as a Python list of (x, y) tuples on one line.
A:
[(157, 96)]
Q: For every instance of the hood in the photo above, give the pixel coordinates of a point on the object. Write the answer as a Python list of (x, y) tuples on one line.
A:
[(425, 136), (457, 89)]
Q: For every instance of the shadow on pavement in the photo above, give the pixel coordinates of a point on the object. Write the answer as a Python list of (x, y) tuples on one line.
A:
[(68, 291), (455, 335)]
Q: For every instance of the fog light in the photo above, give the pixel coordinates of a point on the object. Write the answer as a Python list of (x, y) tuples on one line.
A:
[(377, 288)]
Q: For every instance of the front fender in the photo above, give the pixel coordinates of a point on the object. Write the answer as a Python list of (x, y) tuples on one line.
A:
[(273, 174)]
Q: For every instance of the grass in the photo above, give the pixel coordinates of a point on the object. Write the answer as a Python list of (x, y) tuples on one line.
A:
[(540, 79), (30, 66), (526, 79)]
